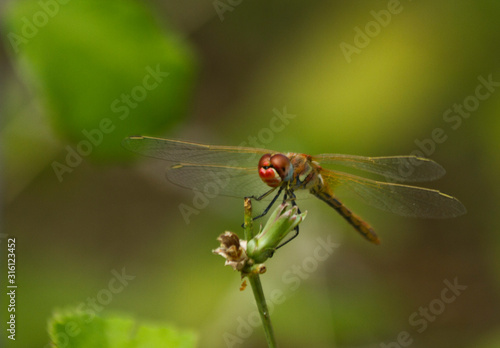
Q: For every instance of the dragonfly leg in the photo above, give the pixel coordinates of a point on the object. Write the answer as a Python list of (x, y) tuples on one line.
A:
[(270, 204), (265, 194), (296, 229)]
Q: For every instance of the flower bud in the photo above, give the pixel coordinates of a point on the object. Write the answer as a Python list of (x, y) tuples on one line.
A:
[(280, 223)]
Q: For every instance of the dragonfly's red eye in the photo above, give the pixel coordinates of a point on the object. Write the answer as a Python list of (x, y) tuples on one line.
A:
[(265, 161), (281, 164), (267, 172)]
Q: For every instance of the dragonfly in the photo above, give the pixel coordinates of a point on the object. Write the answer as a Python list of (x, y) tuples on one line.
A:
[(256, 173)]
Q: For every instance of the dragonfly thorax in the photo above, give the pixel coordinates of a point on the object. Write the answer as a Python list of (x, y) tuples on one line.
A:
[(306, 172)]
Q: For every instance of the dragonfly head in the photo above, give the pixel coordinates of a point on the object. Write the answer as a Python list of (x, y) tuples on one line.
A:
[(275, 169)]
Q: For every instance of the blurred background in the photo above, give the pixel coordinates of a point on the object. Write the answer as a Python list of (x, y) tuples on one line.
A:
[(369, 78)]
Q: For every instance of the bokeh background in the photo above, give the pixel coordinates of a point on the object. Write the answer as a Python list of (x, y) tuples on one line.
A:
[(222, 71)]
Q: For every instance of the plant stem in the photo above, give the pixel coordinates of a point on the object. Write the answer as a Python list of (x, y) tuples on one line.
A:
[(254, 280), (248, 221)]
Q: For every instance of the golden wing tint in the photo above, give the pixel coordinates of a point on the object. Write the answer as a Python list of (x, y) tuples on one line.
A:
[(399, 199), (193, 153), (400, 168)]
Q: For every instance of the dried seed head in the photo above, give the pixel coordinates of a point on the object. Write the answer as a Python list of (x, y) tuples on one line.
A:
[(233, 250)]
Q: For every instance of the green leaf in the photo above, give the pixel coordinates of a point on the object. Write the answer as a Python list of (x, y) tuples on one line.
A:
[(158, 336), (103, 70), (76, 329)]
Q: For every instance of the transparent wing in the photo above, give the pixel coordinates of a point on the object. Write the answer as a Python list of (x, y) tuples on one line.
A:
[(192, 153), (212, 170), (214, 180), (396, 198), (400, 168)]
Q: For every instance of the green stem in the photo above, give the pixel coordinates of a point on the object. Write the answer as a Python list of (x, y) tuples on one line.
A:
[(254, 280), (248, 219)]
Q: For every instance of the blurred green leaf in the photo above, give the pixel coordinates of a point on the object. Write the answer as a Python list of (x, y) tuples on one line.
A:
[(489, 340), (75, 329), (104, 70)]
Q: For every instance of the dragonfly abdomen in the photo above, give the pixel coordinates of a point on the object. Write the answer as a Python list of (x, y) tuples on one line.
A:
[(362, 227)]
